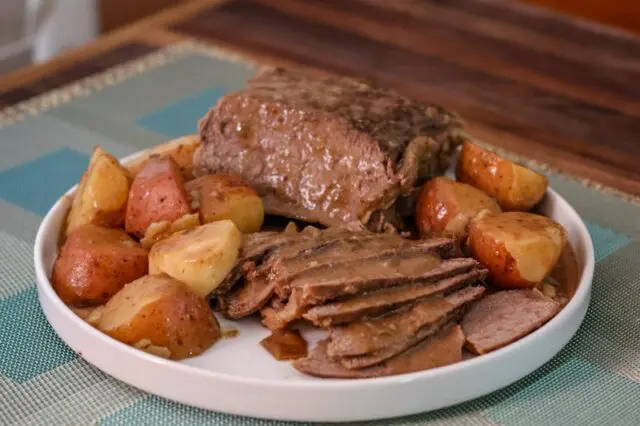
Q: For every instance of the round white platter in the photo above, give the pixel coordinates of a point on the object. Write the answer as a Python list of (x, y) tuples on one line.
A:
[(238, 376)]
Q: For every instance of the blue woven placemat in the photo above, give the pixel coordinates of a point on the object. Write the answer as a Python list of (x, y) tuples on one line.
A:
[(44, 147)]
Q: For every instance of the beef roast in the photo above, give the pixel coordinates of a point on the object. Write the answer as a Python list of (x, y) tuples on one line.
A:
[(504, 317), (378, 302), (327, 150), (365, 343), (442, 349)]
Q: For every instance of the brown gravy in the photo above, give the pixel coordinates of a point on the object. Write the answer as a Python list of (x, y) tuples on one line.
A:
[(565, 276)]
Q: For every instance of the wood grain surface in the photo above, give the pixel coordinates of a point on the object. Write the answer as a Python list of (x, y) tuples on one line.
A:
[(555, 89)]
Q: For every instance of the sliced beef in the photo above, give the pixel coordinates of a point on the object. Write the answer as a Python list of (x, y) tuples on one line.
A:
[(442, 349), (378, 302), (322, 284), (504, 317), (350, 249), (365, 343), (327, 150), (246, 299)]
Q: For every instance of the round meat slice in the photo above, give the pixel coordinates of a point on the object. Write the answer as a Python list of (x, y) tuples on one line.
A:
[(504, 317)]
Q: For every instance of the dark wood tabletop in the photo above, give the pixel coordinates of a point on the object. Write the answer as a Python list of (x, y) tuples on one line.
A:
[(544, 85)]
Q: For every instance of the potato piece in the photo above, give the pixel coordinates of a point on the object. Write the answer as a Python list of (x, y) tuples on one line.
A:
[(161, 230), (445, 207), (519, 249), (157, 194), (101, 197), (180, 150), (95, 263), (514, 187), (200, 257), (222, 196), (162, 316)]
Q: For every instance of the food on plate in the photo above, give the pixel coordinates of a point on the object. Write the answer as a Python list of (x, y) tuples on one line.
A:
[(149, 245), (504, 317), (179, 150), (223, 196), (369, 342), (101, 197), (200, 257), (285, 345), (160, 230), (519, 249), (444, 348), (327, 150), (157, 194), (514, 187), (95, 263), (160, 315), (445, 207), (294, 255)]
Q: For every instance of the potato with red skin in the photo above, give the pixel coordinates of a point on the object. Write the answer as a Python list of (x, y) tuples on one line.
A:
[(445, 207), (515, 187), (519, 249), (95, 263), (181, 150), (157, 194), (160, 315), (223, 196)]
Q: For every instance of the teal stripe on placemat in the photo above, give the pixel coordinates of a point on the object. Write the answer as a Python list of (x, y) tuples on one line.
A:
[(594, 380), (181, 117)]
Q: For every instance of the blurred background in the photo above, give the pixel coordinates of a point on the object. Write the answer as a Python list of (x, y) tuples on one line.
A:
[(33, 31)]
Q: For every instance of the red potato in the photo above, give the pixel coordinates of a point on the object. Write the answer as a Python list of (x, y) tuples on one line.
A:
[(515, 187), (159, 315), (95, 263), (157, 194), (445, 207), (519, 249)]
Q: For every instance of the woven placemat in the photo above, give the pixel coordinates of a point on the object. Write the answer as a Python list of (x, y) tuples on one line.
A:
[(44, 147)]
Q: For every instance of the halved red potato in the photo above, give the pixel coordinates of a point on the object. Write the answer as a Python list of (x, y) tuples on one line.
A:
[(157, 194), (200, 257), (514, 187), (95, 263), (223, 196), (160, 315), (445, 207), (101, 197), (519, 249), (180, 150)]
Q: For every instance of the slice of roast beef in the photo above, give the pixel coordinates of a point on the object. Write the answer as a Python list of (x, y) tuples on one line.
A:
[(504, 317), (442, 349), (331, 282), (327, 150), (322, 284), (353, 248), (246, 299), (378, 302), (365, 343)]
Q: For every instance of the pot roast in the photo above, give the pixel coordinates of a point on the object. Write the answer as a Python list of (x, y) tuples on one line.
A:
[(327, 150)]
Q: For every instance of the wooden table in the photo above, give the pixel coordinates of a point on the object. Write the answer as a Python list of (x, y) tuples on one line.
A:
[(555, 89)]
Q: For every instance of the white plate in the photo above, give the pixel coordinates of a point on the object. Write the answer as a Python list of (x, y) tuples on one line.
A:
[(238, 376)]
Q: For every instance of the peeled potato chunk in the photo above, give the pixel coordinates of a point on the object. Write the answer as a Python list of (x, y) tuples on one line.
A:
[(519, 249), (95, 263), (179, 150), (200, 257), (514, 187), (157, 194), (445, 207), (223, 196), (160, 315), (101, 197)]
